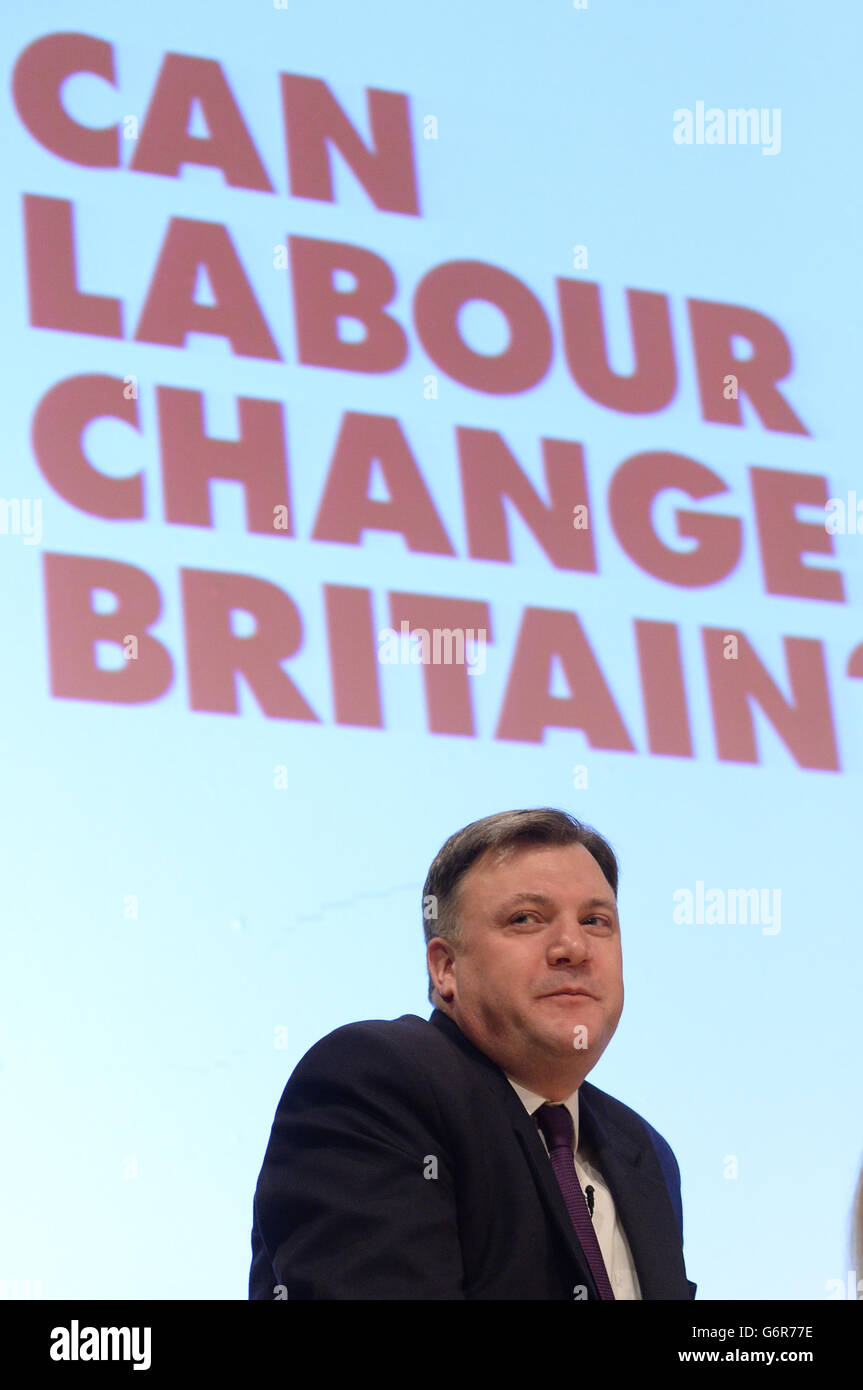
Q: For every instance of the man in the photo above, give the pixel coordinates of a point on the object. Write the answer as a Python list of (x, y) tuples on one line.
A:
[(466, 1157)]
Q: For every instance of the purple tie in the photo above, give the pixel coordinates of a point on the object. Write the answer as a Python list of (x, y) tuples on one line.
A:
[(556, 1124)]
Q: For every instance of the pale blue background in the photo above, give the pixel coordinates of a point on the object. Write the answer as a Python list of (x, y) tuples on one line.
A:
[(260, 909)]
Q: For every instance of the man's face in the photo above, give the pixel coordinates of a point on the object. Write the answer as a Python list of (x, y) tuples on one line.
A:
[(536, 981)]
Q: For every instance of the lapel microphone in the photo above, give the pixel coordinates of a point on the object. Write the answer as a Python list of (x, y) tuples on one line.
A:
[(588, 1192)]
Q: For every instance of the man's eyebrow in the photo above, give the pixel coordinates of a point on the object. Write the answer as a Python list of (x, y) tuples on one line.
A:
[(539, 898), (542, 901)]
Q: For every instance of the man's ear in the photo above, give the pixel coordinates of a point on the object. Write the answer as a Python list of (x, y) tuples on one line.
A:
[(440, 958)]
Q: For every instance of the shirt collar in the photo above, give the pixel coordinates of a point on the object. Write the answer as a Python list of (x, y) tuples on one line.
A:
[(531, 1102)]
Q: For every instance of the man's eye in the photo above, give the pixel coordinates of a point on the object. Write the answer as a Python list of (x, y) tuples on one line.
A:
[(523, 917)]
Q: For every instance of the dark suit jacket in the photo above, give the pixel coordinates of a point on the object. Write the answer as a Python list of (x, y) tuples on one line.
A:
[(402, 1165)]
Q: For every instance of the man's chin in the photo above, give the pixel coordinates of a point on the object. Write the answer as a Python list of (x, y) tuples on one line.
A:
[(565, 1042), (575, 1016)]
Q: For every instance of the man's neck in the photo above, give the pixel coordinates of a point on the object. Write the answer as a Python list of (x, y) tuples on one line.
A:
[(553, 1078), (555, 1088)]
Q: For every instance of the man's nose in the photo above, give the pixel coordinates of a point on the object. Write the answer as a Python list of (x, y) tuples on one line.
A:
[(570, 942)]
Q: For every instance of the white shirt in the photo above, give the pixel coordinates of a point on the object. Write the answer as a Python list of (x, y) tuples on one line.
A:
[(609, 1232)]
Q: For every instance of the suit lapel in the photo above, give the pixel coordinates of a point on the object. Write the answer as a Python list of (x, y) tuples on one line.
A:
[(640, 1198), (532, 1146)]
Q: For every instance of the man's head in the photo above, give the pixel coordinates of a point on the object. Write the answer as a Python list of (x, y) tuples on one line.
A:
[(524, 952)]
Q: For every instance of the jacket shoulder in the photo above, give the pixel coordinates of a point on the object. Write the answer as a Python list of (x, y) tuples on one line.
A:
[(394, 1061), (364, 1041), (342, 1208)]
